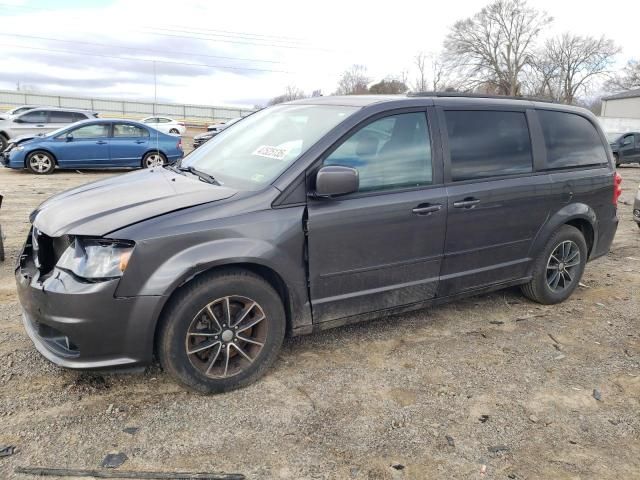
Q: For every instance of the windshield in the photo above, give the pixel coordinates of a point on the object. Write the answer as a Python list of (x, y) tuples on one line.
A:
[(613, 136), (256, 150)]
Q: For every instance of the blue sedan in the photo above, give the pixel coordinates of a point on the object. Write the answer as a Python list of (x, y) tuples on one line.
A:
[(94, 144)]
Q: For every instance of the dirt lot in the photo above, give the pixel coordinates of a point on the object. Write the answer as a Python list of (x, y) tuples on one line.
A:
[(492, 384)]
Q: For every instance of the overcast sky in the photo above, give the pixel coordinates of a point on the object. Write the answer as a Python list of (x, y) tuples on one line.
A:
[(247, 51)]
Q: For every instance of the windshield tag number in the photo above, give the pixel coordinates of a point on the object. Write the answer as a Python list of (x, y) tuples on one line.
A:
[(276, 153)]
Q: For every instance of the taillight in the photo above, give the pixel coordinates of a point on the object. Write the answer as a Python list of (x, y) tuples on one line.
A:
[(617, 188), (179, 144), (181, 124)]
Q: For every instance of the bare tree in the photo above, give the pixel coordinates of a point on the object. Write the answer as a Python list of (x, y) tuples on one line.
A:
[(389, 86), (291, 93), (432, 73), (496, 44), (579, 61), (628, 79), (353, 81), (420, 62)]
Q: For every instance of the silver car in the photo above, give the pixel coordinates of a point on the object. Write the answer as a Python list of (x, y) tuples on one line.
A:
[(39, 120)]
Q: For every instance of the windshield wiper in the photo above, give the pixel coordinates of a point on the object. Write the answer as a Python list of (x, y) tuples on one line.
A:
[(201, 175)]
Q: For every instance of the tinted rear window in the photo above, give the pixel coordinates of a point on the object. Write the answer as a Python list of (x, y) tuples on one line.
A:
[(571, 140), (487, 144), (61, 117)]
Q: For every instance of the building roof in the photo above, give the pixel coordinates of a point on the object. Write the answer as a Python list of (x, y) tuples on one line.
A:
[(628, 94)]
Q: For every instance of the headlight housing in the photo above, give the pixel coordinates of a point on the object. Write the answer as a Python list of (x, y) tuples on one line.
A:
[(96, 258), (19, 148)]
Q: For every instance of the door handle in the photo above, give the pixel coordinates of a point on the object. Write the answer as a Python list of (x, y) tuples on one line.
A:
[(41, 126), (101, 142), (466, 203), (426, 209), (141, 141)]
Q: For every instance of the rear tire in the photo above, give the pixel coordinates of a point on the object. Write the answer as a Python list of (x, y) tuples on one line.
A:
[(174, 131), (40, 162), (154, 159), (221, 331), (3, 143), (616, 157), (558, 268)]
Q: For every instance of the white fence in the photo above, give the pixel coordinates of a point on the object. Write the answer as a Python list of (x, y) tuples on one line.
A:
[(124, 108)]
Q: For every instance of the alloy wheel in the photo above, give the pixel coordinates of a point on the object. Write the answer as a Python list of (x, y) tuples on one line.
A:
[(563, 266), (154, 160), (40, 163), (226, 336)]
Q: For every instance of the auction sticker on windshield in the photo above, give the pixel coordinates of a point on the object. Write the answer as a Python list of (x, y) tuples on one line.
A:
[(277, 153)]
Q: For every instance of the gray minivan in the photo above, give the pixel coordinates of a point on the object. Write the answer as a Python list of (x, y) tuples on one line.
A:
[(34, 121), (313, 214)]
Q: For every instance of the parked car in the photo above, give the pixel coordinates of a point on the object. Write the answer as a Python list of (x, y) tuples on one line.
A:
[(218, 127), (166, 125), (625, 147), (212, 131), (269, 230), (636, 207), (95, 144), (17, 110), (39, 120)]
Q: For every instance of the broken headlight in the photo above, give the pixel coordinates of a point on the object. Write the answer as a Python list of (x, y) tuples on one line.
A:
[(96, 258)]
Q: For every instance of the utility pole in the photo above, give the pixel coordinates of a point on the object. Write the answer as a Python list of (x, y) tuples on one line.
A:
[(155, 88)]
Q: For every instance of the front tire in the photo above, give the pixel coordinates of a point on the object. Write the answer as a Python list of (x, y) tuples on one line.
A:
[(174, 131), (40, 163), (616, 157), (559, 267), (221, 331), (3, 143), (154, 159)]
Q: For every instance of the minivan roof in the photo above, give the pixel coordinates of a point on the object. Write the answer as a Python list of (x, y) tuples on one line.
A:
[(429, 98)]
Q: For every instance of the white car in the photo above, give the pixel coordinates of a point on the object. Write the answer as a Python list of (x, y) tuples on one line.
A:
[(166, 125), (218, 127)]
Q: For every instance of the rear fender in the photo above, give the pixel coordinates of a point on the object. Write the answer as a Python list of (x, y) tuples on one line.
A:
[(574, 211)]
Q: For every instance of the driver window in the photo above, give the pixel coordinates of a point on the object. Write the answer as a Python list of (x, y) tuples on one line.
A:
[(628, 140), (99, 130), (390, 153)]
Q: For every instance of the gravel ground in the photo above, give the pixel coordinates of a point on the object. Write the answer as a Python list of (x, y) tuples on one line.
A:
[(493, 386)]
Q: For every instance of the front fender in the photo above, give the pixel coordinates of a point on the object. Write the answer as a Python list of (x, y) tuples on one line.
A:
[(177, 269), (574, 211)]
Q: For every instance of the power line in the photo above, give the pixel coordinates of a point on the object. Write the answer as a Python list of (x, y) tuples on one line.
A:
[(134, 59), (134, 48), (217, 36), (208, 37)]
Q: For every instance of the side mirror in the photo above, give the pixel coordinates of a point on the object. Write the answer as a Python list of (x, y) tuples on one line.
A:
[(69, 137), (335, 180), (18, 120)]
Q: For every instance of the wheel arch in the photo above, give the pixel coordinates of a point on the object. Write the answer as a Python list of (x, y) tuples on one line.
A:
[(35, 150), (267, 273), (578, 215)]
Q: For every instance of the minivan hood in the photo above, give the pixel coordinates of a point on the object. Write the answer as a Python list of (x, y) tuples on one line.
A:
[(101, 207)]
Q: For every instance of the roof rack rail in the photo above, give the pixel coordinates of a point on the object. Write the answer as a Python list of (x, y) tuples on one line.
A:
[(477, 95)]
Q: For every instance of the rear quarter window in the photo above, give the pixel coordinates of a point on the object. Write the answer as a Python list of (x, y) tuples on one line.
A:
[(486, 144), (571, 140)]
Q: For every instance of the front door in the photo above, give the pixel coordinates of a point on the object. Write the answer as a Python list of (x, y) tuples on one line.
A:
[(30, 123), (627, 150), (496, 204), (382, 246), (83, 147)]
